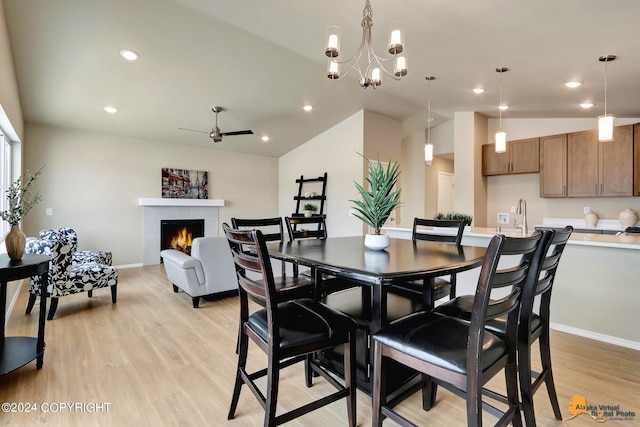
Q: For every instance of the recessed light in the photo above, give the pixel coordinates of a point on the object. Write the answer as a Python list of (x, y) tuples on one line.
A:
[(503, 107), (307, 107), (573, 85), (110, 109), (586, 105), (265, 138), (129, 55), (478, 90)]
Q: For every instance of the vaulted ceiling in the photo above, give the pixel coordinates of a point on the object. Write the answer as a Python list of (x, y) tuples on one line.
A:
[(263, 60)]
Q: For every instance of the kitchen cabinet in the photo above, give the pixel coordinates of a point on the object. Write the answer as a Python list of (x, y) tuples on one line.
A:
[(522, 156), (553, 166), (615, 164), (600, 169), (582, 164)]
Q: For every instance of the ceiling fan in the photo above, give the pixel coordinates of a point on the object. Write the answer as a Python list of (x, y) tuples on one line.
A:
[(215, 133)]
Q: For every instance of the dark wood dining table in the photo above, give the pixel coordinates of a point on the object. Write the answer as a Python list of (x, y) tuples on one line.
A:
[(347, 258)]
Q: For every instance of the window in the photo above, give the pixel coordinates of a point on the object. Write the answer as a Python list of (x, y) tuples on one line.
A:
[(5, 177)]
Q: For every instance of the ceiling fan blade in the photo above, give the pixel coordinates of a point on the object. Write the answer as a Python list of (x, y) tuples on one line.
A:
[(239, 132), (196, 130)]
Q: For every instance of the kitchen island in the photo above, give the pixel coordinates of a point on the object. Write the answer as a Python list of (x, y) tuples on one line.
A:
[(597, 289)]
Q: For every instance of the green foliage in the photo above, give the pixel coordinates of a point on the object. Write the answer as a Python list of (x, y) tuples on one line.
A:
[(309, 207), (381, 199), (455, 216), (20, 199)]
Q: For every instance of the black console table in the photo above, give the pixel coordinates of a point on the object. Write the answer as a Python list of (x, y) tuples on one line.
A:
[(16, 352)]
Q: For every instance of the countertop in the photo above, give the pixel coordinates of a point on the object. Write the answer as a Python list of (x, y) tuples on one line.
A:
[(621, 241)]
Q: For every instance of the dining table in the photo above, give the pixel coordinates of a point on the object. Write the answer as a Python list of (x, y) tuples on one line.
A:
[(347, 258)]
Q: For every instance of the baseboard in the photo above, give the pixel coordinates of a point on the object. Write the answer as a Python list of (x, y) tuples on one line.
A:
[(634, 345)]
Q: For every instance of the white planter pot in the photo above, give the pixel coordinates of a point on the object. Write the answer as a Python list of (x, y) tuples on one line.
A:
[(308, 214), (376, 242)]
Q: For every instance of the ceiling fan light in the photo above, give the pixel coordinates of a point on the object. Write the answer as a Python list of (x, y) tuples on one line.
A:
[(605, 127)]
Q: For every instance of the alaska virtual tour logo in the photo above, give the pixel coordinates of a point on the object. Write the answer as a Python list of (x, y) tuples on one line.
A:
[(600, 413)]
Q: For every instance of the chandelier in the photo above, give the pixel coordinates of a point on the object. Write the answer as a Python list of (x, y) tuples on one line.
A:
[(374, 66)]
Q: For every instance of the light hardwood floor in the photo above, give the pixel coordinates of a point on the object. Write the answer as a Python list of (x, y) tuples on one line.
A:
[(156, 361)]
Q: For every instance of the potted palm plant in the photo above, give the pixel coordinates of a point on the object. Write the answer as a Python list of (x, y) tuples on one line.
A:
[(377, 202)]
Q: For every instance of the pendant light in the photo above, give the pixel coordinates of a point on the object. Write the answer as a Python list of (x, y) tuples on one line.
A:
[(501, 135), (428, 147), (606, 121)]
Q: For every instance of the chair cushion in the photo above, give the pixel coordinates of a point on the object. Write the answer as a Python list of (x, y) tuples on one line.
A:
[(441, 288), (439, 340), (461, 307), (304, 322)]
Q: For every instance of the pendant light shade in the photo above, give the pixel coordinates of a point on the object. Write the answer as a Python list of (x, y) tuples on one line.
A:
[(428, 154), (428, 147), (501, 135), (501, 141), (606, 121), (605, 128)]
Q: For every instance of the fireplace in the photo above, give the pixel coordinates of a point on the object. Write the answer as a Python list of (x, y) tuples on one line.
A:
[(178, 234)]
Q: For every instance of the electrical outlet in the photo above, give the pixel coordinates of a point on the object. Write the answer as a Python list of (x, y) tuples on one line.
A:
[(586, 210), (48, 211), (513, 209), (503, 218)]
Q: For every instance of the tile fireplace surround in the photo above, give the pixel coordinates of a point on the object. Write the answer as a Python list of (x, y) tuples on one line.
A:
[(159, 209)]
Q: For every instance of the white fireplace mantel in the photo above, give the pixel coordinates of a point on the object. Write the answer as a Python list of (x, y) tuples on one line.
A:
[(156, 210), (180, 202)]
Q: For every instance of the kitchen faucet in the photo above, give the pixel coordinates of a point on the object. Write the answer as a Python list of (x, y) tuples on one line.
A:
[(522, 210)]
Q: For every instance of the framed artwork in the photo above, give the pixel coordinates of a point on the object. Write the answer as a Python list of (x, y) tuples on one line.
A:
[(184, 184)]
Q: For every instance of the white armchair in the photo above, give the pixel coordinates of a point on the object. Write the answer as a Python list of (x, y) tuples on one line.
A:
[(207, 271)]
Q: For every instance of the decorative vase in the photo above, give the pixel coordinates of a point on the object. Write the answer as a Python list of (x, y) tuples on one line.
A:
[(591, 219), (15, 241), (376, 242), (628, 218)]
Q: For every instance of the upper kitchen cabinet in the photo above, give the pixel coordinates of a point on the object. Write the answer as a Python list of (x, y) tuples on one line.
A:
[(553, 166), (522, 156), (615, 167), (582, 164), (600, 168)]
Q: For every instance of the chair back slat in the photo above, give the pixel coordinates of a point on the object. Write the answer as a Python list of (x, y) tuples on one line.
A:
[(314, 227), (271, 228), (455, 238), (252, 263)]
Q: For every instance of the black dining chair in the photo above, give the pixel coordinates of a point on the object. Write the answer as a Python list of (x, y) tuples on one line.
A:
[(295, 285), (533, 324), (288, 331), (301, 227), (440, 287), (457, 354)]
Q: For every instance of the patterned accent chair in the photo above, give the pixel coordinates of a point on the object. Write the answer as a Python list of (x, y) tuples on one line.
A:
[(78, 257), (67, 277)]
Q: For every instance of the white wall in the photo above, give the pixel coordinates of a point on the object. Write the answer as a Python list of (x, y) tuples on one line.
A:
[(334, 151), (9, 97), (93, 182)]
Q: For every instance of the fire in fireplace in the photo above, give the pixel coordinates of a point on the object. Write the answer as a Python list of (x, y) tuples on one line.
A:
[(178, 234)]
